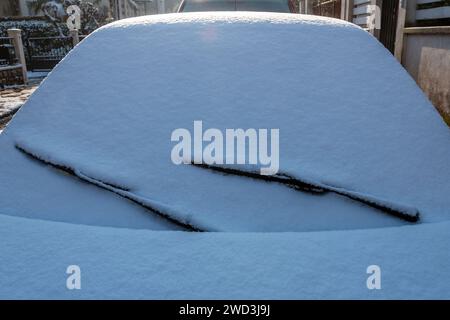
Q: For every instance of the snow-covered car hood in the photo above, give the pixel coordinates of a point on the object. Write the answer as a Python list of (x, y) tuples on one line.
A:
[(119, 263)]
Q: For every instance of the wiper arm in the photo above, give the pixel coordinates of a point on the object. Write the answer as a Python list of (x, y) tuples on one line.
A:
[(121, 191), (407, 213), (284, 179)]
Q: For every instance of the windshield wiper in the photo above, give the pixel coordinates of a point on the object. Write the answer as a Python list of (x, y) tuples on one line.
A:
[(407, 213), (121, 191), (284, 179)]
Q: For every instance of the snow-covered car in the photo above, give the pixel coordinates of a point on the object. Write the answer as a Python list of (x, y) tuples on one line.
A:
[(87, 176), (285, 6)]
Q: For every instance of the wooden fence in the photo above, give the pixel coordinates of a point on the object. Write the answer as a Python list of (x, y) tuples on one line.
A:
[(432, 12)]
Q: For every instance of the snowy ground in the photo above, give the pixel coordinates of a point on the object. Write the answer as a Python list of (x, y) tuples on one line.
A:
[(13, 97), (87, 177)]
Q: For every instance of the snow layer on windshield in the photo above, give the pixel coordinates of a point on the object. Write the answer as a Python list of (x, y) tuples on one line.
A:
[(349, 117), (31, 189)]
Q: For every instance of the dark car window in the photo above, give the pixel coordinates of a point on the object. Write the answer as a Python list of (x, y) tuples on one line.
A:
[(263, 5), (235, 5), (208, 5)]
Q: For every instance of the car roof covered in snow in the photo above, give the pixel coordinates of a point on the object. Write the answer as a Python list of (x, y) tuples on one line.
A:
[(351, 122)]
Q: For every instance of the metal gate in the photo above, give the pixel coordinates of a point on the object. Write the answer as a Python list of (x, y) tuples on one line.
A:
[(45, 53), (7, 54), (327, 8), (10, 69), (389, 16)]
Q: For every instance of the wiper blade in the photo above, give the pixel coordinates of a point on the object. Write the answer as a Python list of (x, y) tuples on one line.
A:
[(407, 213), (284, 179), (121, 191)]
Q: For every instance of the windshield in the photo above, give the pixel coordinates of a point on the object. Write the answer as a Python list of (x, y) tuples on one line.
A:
[(235, 5), (238, 74)]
